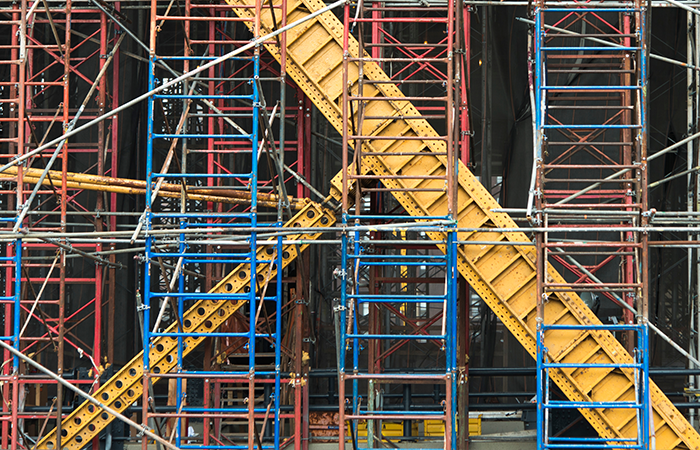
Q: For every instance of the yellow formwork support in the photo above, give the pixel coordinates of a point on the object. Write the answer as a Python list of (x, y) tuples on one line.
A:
[(432, 428), (138, 187), (389, 429), (126, 386), (503, 275)]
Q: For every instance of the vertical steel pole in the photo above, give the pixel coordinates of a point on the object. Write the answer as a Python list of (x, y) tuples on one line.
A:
[(149, 239), (62, 267), (253, 236), (690, 127), (16, 344)]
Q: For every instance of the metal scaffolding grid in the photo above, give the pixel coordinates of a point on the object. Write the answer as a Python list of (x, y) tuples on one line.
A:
[(590, 99), (212, 228), (397, 301), (60, 67)]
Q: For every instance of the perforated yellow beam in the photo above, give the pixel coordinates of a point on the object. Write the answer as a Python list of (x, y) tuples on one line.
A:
[(125, 387), (503, 275)]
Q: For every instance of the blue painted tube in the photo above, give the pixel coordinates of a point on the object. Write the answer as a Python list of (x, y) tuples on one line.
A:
[(278, 331), (390, 299), (397, 337), (219, 261), (224, 447), (592, 405), (199, 295), (589, 127), (253, 180), (618, 327), (590, 439), (402, 263), (402, 413), (241, 260), (395, 217), (591, 88), (412, 448), (149, 239), (239, 224), (202, 175), (265, 374), (356, 347), (590, 49), (592, 366), (203, 216), (590, 7), (209, 334), (200, 58), (342, 351), (452, 317), (198, 96), (593, 446), (409, 257), (203, 136)]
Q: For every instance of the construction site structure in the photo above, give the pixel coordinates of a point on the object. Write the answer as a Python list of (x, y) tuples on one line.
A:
[(55, 298), (227, 207), (591, 201)]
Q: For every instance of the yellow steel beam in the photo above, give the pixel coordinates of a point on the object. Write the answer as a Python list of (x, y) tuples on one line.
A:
[(138, 187), (504, 275), (126, 386)]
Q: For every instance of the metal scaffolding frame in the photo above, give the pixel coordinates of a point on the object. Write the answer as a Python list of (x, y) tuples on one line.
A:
[(226, 143), (590, 103), (398, 300), (60, 66), (193, 236)]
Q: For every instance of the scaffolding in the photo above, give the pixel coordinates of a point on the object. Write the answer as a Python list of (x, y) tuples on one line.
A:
[(225, 315), (590, 96), (59, 67), (217, 129), (398, 301)]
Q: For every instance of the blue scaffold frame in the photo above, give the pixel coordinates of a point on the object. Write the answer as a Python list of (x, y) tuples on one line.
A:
[(248, 220), (640, 365), (354, 257), (14, 296)]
